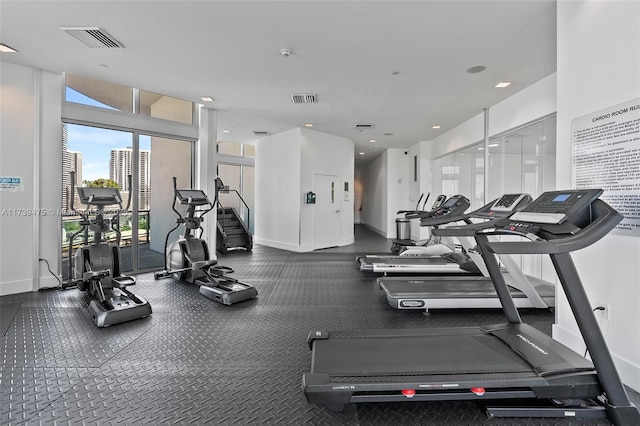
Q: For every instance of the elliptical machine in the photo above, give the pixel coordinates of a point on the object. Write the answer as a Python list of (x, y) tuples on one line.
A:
[(188, 259), (95, 267)]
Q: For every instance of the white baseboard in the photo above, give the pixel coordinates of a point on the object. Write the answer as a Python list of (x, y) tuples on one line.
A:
[(376, 230), (282, 246), (15, 287)]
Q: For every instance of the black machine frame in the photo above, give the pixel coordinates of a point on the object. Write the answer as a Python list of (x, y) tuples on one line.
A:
[(188, 259), (513, 360), (96, 268)]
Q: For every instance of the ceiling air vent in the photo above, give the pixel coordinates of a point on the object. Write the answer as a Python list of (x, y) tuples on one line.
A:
[(261, 133), (94, 37), (304, 98), (363, 125)]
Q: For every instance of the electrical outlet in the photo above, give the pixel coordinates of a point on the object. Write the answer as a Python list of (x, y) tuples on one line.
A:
[(602, 313)]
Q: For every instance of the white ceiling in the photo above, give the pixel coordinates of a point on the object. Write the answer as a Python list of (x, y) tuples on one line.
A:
[(401, 65)]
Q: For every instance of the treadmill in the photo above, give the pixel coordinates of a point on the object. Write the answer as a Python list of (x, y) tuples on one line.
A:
[(448, 263), (442, 292), (500, 361)]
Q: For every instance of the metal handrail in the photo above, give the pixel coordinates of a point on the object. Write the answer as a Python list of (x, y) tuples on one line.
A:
[(220, 205)]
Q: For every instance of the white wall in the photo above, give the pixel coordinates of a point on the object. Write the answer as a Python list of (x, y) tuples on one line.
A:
[(598, 67), (30, 148), (387, 188), (278, 190), (399, 175), (322, 153), (374, 197), (358, 191), (285, 165)]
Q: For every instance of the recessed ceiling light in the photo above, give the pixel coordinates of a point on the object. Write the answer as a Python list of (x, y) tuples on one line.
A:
[(226, 131), (308, 125), (437, 126), (503, 84), (6, 49), (361, 153), (493, 145), (372, 140), (207, 98), (476, 69)]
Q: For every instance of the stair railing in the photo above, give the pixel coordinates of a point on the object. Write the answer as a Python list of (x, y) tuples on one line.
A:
[(226, 190)]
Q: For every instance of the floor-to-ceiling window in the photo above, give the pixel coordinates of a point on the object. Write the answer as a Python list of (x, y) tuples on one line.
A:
[(105, 149)]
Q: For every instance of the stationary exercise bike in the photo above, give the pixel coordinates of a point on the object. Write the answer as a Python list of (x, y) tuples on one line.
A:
[(95, 267), (188, 258)]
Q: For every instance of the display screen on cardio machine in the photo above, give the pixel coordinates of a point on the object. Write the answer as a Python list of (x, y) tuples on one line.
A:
[(100, 195), (555, 206), (197, 196), (449, 203), (507, 202)]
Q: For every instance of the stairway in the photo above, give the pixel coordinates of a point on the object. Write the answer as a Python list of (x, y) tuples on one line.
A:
[(233, 233)]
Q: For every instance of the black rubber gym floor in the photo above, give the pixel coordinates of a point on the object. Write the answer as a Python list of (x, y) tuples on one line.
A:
[(195, 361)]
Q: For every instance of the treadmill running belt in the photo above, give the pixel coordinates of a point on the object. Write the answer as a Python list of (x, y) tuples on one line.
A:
[(414, 355)]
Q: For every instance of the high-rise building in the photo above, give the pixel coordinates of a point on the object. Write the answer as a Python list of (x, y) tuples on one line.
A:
[(120, 168), (71, 161)]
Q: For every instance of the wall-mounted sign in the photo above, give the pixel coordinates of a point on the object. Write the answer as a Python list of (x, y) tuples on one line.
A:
[(606, 154), (11, 184)]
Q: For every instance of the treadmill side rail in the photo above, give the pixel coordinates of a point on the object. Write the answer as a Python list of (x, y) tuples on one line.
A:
[(546, 356)]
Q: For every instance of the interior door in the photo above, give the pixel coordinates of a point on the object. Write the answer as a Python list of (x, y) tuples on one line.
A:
[(326, 220)]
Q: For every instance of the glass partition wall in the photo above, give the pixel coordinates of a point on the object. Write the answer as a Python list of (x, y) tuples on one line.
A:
[(461, 172), (519, 160), (523, 160)]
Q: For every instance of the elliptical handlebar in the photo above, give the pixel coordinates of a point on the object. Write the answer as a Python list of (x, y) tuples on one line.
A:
[(424, 205), (175, 197), (130, 191)]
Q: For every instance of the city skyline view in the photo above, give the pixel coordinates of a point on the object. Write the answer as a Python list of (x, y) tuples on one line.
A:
[(96, 143)]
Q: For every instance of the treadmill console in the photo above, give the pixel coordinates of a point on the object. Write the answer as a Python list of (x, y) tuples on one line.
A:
[(439, 200), (194, 197), (557, 212), (454, 205), (556, 206), (508, 202), (502, 206), (99, 196)]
